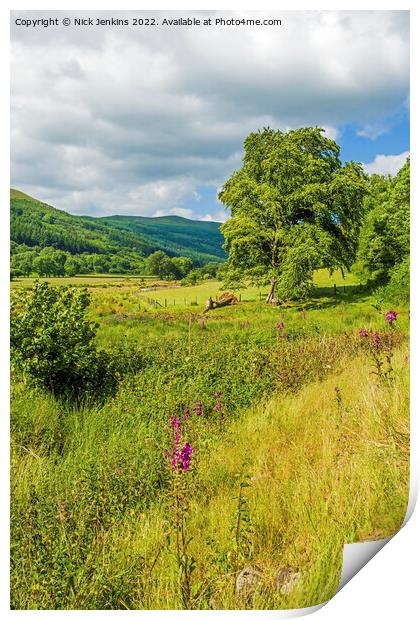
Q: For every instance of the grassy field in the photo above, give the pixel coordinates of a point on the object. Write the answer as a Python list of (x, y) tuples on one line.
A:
[(300, 448), (171, 294), (91, 280)]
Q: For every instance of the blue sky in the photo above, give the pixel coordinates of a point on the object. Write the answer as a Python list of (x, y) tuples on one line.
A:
[(152, 121), (394, 139)]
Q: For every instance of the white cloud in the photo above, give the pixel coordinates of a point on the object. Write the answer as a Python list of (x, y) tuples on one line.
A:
[(332, 132), (373, 130), (130, 120), (386, 164), (219, 216)]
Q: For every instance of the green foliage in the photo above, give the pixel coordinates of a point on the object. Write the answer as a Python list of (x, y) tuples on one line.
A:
[(72, 266), (91, 489), (183, 265), (242, 529), (398, 287), (199, 274), (53, 343), (385, 234), (200, 241), (161, 265), (294, 208), (115, 244), (50, 262), (22, 258), (34, 223), (60, 520)]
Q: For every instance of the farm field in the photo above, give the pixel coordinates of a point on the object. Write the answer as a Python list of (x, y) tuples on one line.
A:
[(299, 432)]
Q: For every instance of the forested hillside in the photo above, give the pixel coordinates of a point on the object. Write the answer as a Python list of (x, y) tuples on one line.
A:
[(176, 235), (49, 241)]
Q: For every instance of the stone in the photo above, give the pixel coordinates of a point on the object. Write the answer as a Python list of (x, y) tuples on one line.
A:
[(247, 582), (287, 579)]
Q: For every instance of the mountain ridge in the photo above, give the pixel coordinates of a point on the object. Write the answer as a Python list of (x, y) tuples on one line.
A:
[(35, 224)]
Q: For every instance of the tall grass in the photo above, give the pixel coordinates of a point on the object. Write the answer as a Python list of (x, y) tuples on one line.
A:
[(321, 441)]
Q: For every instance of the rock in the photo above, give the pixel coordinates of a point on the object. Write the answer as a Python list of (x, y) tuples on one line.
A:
[(247, 582), (287, 579)]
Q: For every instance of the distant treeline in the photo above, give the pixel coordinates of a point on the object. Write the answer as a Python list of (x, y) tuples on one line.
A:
[(27, 261), (46, 241)]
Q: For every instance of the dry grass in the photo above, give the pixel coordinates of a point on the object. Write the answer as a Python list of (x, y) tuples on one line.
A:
[(327, 466)]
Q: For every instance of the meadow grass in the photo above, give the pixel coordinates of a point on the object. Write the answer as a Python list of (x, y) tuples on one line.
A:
[(171, 290), (321, 440), (320, 477), (88, 281)]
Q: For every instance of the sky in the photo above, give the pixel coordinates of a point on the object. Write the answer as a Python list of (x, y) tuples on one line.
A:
[(151, 120)]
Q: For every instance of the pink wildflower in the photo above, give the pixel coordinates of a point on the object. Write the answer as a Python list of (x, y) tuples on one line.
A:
[(184, 457), (391, 316), (181, 458), (198, 409)]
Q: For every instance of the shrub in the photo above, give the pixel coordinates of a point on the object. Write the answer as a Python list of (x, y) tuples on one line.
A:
[(53, 343), (398, 287)]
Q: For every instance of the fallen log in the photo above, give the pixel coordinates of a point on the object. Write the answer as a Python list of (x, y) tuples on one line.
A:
[(226, 299)]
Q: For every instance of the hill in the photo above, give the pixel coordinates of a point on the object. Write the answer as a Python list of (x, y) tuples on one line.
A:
[(116, 243), (15, 193), (176, 235)]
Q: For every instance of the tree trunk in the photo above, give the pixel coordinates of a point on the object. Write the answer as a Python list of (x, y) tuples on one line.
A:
[(227, 301), (270, 297)]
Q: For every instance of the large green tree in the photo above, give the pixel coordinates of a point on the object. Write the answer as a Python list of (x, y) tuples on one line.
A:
[(159, 264), (182, 265), (294, 208)]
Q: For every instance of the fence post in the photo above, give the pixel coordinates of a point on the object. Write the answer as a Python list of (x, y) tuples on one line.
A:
[(335, 290), (166, 302)]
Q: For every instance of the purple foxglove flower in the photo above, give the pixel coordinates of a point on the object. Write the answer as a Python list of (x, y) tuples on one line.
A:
[(391, 316), (184, 457)]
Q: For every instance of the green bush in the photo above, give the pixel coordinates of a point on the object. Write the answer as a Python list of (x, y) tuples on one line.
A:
[(53, 343), (398, 287)]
